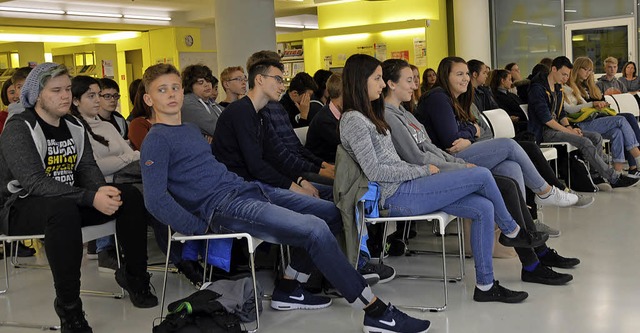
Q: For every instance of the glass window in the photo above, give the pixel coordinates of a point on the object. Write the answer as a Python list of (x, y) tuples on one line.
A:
[(589, 9), (527, 31), (600, 43)]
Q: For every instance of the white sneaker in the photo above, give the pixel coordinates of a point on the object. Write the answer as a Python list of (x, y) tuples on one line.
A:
[(557, 198)]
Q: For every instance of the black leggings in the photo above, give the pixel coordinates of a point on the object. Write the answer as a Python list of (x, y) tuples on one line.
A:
[(518, 209), (61, 220)]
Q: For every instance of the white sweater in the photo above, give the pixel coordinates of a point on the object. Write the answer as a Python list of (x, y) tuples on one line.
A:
[(117, 155)]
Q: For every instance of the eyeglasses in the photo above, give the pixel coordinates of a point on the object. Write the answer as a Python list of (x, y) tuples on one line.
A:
[(278, 78), (110, 96), (588, 69), (240, 79)]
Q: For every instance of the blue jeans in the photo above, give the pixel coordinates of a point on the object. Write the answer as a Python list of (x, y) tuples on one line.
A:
[(307, 224), (504, 157), (470, 193), (633, 122), (616, 129)]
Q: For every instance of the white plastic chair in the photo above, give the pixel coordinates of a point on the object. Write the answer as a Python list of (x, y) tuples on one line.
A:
[(442, 219), (612, 102), (500, 123), (89, 233), (252, 244), (627, 103), (301, 133)]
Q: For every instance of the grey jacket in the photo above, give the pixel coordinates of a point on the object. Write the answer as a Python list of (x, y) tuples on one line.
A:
[(195, 111), (605, 84), (22, 151), (413, 144)]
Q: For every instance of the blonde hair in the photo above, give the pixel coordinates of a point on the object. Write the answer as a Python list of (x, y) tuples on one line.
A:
[(611, 60), (334, 85), (578, 85), (226, 73)]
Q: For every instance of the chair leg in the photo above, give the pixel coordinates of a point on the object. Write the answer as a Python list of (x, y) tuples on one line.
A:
[(255, 290), (6, 268), (461, 247), (166, 272)]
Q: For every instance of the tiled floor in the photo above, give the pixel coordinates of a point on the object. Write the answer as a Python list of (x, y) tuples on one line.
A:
[(602, 298)]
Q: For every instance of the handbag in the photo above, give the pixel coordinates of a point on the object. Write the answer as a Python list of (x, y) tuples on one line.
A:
[(130, 174), (590, 113)]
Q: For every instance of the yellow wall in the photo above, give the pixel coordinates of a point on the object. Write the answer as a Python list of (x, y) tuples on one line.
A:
[(27, 51), (355, 27)]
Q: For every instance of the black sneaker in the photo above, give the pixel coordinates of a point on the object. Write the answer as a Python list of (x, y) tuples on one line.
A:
[(23, 250), (297, 299), (498, 293), (72, 318), (524, 239), (384, 272), (395, 321), (92, 248), (108, 261), (369, 273), (192, 270), (553, 259), (545, 275), (625, 181), (138, 287)]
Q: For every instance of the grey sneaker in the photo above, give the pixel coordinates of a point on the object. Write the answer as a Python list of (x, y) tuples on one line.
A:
[(541, 227), (604, 187), (583, 200)]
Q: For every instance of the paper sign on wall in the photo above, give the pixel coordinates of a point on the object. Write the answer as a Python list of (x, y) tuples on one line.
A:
[(404, 55), (380, 51), (420, 52)]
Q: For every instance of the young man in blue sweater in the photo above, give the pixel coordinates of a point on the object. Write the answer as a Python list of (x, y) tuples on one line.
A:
[(186, 186)]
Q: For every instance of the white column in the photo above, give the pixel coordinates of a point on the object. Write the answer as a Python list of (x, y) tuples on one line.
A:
[(472, 30), (242, 28)]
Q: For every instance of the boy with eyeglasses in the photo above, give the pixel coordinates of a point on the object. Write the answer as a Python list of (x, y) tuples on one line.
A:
[(109, 96), (234, 83)]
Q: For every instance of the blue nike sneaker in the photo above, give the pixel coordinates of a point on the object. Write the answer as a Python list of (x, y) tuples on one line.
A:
[(298, 299), (395, 321)]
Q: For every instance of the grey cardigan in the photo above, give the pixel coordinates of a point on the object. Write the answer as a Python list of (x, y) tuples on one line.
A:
[(413, 144), (22, 150), (376, 155)]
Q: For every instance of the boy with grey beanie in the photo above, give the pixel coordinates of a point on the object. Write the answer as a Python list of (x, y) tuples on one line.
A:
[(51, 185)]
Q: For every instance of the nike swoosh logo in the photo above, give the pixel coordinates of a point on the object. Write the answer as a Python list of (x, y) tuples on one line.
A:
[(391, 323), (298, 298)]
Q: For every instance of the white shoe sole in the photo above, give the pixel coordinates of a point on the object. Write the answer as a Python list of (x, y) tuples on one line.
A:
[(388, 279), (284, 306), (369, 329), (106, 270)]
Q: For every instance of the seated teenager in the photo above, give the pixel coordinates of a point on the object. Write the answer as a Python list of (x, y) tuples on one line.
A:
[(629, 78), (143, 118), (113, 155), (242, 144), (501, 82), (429, 78), (445, 113), (615, 128), (51, 185), (234, 84), (410, 189), (320, 96), (413, 145), (322, 136), (609, 83), (198, 108), (297, 99), (186, 186), (247, 145), (109, 96), (482, 96), (548, 121)]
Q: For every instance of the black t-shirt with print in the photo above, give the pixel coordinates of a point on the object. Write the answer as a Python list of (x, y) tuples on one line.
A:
[(62, 153)]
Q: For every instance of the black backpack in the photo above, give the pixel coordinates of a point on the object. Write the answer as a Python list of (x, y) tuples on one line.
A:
[(199, 313), (581, 179)]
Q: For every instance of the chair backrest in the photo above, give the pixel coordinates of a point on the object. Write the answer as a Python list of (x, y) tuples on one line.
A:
[(614, 105), (501, 123), (627, 103), (525, 108), (301, 132)]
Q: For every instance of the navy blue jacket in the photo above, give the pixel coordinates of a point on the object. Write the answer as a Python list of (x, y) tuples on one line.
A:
[(542, 108)]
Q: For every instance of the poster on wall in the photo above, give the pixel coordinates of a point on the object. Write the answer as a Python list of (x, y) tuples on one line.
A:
[(328, 61), (404, 55), (420, 52), (366, 49), (287, 70), (380, 51), (297, 68), (107, 69)]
